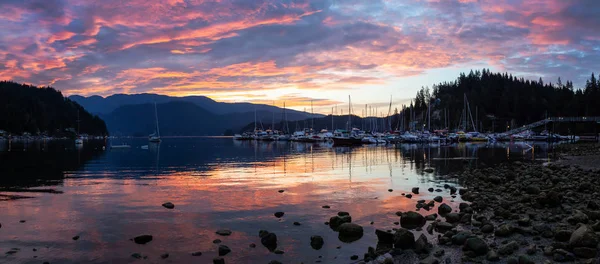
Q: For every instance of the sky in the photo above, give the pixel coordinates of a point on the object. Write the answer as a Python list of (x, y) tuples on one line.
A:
[(293, 51)]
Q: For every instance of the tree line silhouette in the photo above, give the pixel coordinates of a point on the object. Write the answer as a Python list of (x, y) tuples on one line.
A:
[(43, 110), (496, 99)]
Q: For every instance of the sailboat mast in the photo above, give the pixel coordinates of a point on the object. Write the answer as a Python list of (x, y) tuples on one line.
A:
[(349, 113), (156, 116), (332, 119), (254, 118), (312, 114), (78, 121), (273, 119)]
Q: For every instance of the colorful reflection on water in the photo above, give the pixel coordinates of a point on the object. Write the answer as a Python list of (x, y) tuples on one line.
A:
[(110, 196)]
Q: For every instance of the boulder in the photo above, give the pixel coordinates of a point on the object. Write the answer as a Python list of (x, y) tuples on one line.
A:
[(460, 237), (279, 214), (384, 237), (336, 221), (438, 199), (508, 248), (443, 227), (218, 261), (404, 239), (268, 239), (444, 209), (412, 220), (477, 245), (452, 218), (422, 246), (585, 253), (415, 190), (316, 242), (224, 250), (349, 232), (584, 236), (578, 217)]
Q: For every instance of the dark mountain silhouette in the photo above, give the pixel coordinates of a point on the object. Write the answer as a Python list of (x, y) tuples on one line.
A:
[(25, 108), (179, 118), (101, 105)]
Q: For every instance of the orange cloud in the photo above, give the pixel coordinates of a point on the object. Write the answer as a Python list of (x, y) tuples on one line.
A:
[(63, 35)]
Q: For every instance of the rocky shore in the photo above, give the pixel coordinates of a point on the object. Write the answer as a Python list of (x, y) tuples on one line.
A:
[(514, 213)]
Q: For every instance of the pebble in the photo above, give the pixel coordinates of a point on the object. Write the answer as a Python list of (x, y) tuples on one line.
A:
[(278, 214), (223, 232), (168, 205)]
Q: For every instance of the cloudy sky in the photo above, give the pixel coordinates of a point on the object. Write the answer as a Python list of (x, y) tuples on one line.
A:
[(292, 50)]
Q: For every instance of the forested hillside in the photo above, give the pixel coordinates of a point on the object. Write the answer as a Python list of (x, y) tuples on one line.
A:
[(37, 110)]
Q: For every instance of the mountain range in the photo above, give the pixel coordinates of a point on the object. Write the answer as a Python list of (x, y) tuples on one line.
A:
[(133, 115)]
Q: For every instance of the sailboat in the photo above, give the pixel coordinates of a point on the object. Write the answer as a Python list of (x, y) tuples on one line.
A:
[(155, 137), (347, 137), (79, 139)]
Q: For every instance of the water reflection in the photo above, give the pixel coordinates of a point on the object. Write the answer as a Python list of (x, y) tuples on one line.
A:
[(113, 195)]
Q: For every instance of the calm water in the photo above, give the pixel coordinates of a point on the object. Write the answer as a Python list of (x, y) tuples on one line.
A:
[(110, 196)]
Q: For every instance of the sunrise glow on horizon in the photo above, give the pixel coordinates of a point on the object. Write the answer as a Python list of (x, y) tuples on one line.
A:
[(301, 52)]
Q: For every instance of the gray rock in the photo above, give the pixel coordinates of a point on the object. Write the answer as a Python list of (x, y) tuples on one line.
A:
[(217, 241), (585, 253), (349, 232), (412, 220), (584, 236), (136, 256), (452, 218), (143, 239), (168, 205), (487, 228), (404, 239), (342, 213), (164, 256), (492, 256), (431, 217), (415, 190), (460, 237), (384, 237), (279, 214), (75, 238), (428, 170), (444, 209), (218, 261), (354, 257), (224, 250), (477, 245), (508, 248), (438, 199), (422, 246), (197, 254), (504, 230), (578, 217), (336, 221), (268, 239), (563, 235), (443, 226), (316, 242), (408, 196), (223, 232)]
